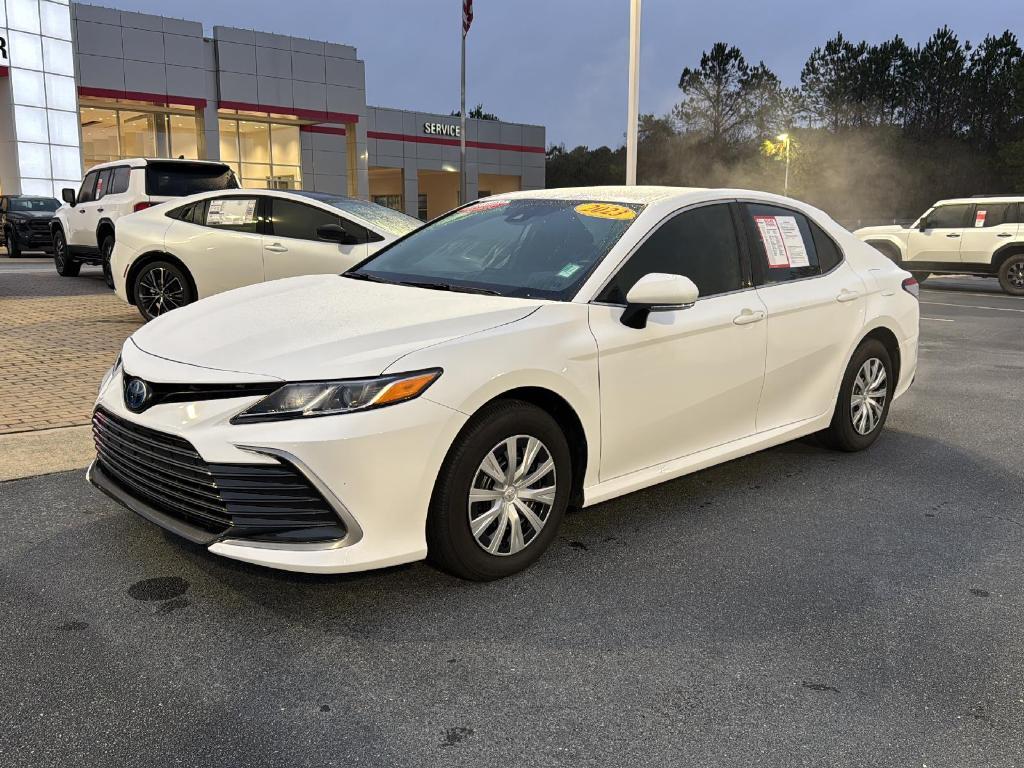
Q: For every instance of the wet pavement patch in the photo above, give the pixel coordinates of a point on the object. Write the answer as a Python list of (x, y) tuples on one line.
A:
[(160, 588)]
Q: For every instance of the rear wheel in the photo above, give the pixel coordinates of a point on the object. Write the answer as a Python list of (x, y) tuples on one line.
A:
[(107, 248), (62, 260), (161, 286), (864, 398), (1011, 275), (501, 493)]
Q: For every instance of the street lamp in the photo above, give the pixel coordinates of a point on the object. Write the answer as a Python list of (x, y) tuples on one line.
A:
[(784, 138)]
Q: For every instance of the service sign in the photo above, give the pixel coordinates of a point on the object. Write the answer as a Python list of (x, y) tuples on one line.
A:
[(441, 129), (4, 57)]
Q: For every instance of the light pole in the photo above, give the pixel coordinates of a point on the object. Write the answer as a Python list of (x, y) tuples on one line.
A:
[(633, 111), (784, 138)]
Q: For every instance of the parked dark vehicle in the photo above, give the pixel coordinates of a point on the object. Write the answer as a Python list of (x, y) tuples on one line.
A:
[(25, 223)]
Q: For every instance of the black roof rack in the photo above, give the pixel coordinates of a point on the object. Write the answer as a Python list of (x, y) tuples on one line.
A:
[(1002, 194)]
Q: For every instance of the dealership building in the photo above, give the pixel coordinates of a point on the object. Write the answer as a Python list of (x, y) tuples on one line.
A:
[(82, 84)]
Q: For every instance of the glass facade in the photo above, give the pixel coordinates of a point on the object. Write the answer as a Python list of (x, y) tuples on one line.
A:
[(118, 131), (264, 154)]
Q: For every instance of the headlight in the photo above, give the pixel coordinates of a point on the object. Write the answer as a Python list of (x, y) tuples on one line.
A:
[(111, 373), (326, 398)]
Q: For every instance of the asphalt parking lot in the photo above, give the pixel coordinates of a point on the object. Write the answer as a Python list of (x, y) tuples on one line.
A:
[(794, 608)]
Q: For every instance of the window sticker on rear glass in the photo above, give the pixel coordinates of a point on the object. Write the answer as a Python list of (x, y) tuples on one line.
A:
[(231, 212), (979, 218), (606, 211), (783, 241)]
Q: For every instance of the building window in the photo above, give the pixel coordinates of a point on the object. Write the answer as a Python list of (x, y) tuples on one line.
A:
[(422, 207), (264, 154), (113, 133), (395, 202)]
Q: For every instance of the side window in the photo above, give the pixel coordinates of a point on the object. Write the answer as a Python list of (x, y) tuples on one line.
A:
[(994, 214), (103, 183), (239, 214), (829, 255), (781, 244), (88, 191), (119, 180), (700, 244), (948, 217), (300, 221)]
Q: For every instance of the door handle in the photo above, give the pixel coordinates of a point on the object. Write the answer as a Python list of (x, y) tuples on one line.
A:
[(81, 210), (99, 210), (747, 316), (1005, 234), (952, 234), (847, 295), (275, 247)]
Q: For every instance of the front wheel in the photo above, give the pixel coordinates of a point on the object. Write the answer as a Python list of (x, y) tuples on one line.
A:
[(161, 286), (1011, 275), (501, 493), (62, 260), (864, 398), (107, 248), (13, 246)]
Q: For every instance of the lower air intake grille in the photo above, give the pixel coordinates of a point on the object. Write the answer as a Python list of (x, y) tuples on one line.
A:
[(264, 502)]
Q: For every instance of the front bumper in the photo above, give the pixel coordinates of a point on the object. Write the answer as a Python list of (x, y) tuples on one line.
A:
[(376, 469)]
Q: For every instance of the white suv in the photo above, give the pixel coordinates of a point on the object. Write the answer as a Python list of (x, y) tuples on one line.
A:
[(968, 236), (84, 229)]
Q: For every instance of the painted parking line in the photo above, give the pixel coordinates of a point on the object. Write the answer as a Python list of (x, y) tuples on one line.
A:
[(971, 306), (954, 292), (938, 319)]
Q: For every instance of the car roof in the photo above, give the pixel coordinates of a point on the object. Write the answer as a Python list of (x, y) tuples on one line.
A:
[(142, 162), (981, 199)]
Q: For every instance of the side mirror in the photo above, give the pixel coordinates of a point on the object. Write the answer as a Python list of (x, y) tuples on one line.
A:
[(335, 233), (657, 292), (68, 195), (922, 225)]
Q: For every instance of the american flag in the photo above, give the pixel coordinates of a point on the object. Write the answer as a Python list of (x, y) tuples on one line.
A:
[(467, 16)]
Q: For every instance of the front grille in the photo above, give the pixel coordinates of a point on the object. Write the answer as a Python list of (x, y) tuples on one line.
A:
[(264, 502), (41, 226)]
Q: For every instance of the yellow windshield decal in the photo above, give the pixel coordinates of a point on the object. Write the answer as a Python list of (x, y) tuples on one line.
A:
[(606, 211)]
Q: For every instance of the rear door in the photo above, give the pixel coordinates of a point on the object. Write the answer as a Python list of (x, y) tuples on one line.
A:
[(292, 247), (994, 224), (815, 303), (939, 241)]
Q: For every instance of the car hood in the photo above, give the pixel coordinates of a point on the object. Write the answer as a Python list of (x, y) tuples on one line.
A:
[(320, 326), (30, 215), (887, 229)]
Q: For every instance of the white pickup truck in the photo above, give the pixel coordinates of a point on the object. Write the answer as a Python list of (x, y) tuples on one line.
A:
[(973, 236)]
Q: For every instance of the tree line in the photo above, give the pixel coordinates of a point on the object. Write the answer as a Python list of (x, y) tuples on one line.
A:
[(876, 131)]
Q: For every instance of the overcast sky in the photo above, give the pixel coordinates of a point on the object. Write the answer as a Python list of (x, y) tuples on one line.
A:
[(562, 63)]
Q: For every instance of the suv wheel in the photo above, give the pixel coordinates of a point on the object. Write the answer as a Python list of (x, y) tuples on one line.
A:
[(66, 265), (864, 398), (107, 248), (161, 286), (13, 247), (501, 493), (1011, 275)]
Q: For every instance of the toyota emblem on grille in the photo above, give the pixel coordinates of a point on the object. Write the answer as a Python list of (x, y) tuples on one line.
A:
[(136, 394)]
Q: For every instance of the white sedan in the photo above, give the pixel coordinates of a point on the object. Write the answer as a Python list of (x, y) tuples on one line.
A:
[(172, 254), (453, 395)]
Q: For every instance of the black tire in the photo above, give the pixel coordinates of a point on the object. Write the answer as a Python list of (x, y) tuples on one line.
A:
[(66, 265), (107, 248), (13, 246), (921, 276), (842, 434), (451, 544), (178, 289), (1011, 275)]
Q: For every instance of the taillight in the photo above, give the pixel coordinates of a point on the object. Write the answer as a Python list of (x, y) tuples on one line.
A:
[(142, 206), (911, 286)]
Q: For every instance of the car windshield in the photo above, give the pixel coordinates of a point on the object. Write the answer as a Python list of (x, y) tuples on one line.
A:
[(523, 247), (34, 204), (381, 219)]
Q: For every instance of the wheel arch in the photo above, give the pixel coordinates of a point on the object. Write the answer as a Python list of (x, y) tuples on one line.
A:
[(148, 258), (105, 226), (889, 340), (888, 248), (1004, 253)]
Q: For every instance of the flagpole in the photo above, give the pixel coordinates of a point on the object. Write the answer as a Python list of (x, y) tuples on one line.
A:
[(462, 115), (633, 110)]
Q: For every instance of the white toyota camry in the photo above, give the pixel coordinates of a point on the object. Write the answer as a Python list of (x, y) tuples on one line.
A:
[(172, 254), (451, 396)]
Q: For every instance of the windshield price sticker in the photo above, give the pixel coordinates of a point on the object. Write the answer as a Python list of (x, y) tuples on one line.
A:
[(231, 212), (979, 218), (606, 211), (783, 241)]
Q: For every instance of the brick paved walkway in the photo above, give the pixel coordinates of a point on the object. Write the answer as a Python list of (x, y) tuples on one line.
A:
[(58, 336)]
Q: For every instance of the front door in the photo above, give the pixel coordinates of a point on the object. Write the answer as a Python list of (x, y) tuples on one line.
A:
[(938, 242), (84, 215), (292, 247), (691, 378)]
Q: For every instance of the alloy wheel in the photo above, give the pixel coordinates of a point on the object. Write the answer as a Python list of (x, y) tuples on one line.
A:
[(1015, 274), (160, 291), (867, 400), (512, 495), (59, 251)]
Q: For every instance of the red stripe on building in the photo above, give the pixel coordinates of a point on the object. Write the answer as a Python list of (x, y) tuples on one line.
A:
[(164, 99), (451, 142), (304, 114), (3, 71), (337, 131)]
